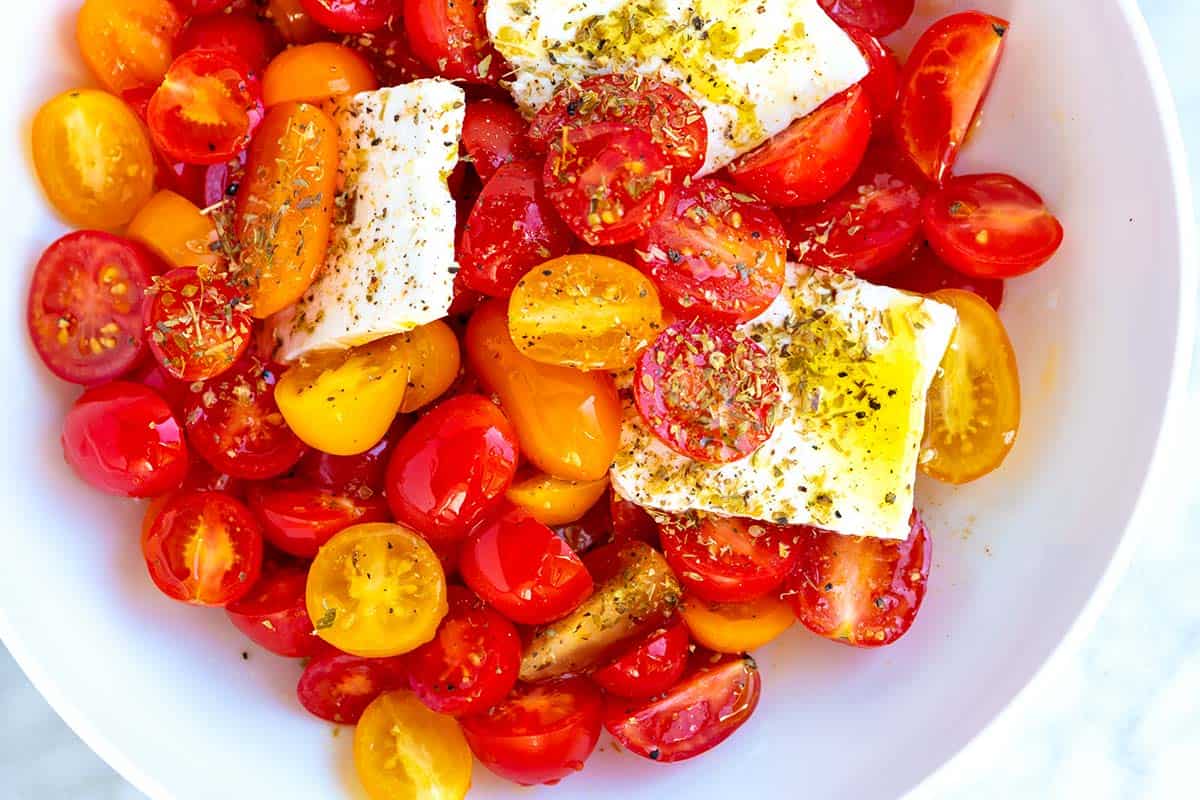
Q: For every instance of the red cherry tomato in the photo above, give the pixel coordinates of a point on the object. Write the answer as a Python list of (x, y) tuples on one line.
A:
[(390, 55), (198, 328), (151, 374), (522, 569), (707, 392), (85, 305), (944, 83), (273, 615), (671, 118), (651, 666), (925, 273), (338, 687), (472, 663), (222, 181), (541, 734), (714, 253), (203, 478), (494, 135), (726, 559), (204, 548), (198, 8), (879, 17), (363, 475), (236, 427), (254, 42), (352, 16), (630, 521), (123, 439), (991, 226), (608, 182), (882, 83), (451, 37), (298, 518), (494, 252), (814, 158), (860, 590), (206, 108), (694, 717)]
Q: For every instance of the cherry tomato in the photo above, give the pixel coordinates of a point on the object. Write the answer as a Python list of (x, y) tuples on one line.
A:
[(882, 84), (338, 687), (860, 590), (85, 306), (814, 158), (152, 375), (591, 530), (92, 158), (204, 548), (974, 405), (650, 666), (726, 559), (293, 22), (361, 475), (608, 182), (671, 117), (404, 750), (352, 16), (553, 501), (273, 616), (737, 627), (122, 439), (471, 665), (925, 273), (299, 518), (198, 8), (707, 392), (127, 43), (523, 570), (198, 327), (436, 362), (206, 109), (314, 73), (236, 427), (699, 713), (630, 522), (251, 41), (178, 232), (493, 251), (944, 83), (220, 182), (541, 734), (390, 55), (879, 17), (203, 478), (494, 135), (451, 37), (715, 253)]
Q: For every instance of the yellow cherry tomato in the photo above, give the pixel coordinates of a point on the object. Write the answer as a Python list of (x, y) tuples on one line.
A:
[(376, 590), (974, 404), (737, 627), (343, 402), (568, 422), (584, 311), (128, 43), (174, 228), (93, 158), (554, 501), (314, 73), (436, 361), (404, 751)]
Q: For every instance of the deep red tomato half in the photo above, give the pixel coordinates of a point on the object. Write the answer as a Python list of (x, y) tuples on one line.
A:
[(352, 16), (197, 327), (494, 135), (880, 17), (882, 83), (252, 41), (390, 55), (700, 712), (650, 666), (273, 615), (925, 273), (338, 687), (298, 517), (123, 439), (541, 734), (451, 37), (727, 559), (363, 475)]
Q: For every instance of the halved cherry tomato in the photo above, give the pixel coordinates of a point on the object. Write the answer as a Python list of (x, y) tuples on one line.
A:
[(737, 627), (568, 422), (727, 559), (630, 522), (882, 84), (814, 158), (85, 306), (204, 548), (390, 55), (650, 666), (584, 311), (471, 665), (176, 231), (404, 750), (494, 135), (699, 713), (944, 83), (991, 226), (352, 16), (451, 37), (92, 158), (715, 254), (298, 518), (436, 362), (293, 22), (273, 616), (707, 392), (338, 687), (314, 73), (523, 570), (361, 475), (123, 439), (198, 326), (925, 273), (376, 590), (493, 251), (186, 180), (236, 427), (857, 590), (880, 17), (252, 41), (127, 43), (974, 405), (542, 733), (608, 182), (671, 117), (285, 205), (553, 501)]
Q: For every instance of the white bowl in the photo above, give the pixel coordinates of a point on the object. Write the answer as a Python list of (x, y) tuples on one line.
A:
[(1080, 110)]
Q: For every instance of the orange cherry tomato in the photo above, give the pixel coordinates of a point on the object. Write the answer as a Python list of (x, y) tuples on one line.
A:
[(285, 206), (127, 43), (974, 405), (554, 501), (172, 226), (435, 360), (568, 422), (293, 22), (316, 72), (737, 627)]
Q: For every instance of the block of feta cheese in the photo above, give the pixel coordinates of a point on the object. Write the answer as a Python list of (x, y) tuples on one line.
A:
[(753, 67), (855, 362), (390, 266)]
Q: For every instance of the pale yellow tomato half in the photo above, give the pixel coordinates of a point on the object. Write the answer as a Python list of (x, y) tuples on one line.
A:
[(737, 627), (404, 751)]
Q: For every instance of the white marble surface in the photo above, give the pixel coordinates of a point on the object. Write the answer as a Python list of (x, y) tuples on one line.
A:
[(1118, 718)]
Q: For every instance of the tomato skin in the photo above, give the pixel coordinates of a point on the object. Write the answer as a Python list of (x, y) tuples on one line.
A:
[(273, 616), (252, 41), (728, 560), (450, 36), (879, 17), (298, 518), (404, 750), (351, 16), (925, 273), (123, 439), (553, 501), (882, 84), (127, 43), (314, 73), (176, 231), (700, 712), (541, 734), (198, 327), (390, 55), (338, 687), (650, 666), (737, 627), (494, 135), (362, 475), (631, 522)]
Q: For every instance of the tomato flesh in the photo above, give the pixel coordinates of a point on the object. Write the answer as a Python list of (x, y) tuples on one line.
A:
[(299, 518), (273, 616), (650, 666), (338, 687), (726, 559), (198, 326)]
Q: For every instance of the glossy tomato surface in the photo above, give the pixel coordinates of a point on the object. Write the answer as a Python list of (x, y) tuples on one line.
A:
[(880, 17), (316, 73), (650, 666), (273, 616), (451, 37), (494, 135), (198, 326), (882, 84), (252, 41), (352, 16), (298, 517), (127, 43), (726, 559), (338, 687), (362, 475), (925, 273)]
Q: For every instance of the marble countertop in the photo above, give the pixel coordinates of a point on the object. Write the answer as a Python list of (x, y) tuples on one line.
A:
[(1117, 718)]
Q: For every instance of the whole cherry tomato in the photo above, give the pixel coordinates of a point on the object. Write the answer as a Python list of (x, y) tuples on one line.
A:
[(315, 73), (198, 326), (726, 559), (352, 16), (273, 616), (737, 627), (451, 37), (251, 41), (127, 43), (880, 17), (298, 518), (363, 475), (494, 135), (178, 232), (338, 687), (648, 667)]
